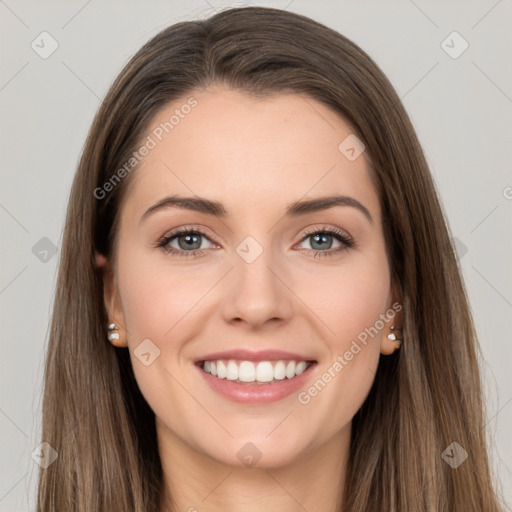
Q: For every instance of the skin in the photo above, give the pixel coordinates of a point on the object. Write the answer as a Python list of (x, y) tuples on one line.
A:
[(240, 150)]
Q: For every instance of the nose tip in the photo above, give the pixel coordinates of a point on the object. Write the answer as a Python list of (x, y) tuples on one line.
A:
[(257, 296)]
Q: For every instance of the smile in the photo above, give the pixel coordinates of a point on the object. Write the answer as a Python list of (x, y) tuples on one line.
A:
[(258, 372), (255, 382)]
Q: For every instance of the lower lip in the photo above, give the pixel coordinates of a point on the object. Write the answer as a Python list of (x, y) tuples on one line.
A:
[(252, 393)]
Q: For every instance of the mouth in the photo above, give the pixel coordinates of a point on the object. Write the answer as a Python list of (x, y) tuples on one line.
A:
[(255, 372), (253, 382)]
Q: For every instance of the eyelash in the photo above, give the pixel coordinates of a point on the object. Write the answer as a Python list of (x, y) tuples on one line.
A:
[(339, 235)]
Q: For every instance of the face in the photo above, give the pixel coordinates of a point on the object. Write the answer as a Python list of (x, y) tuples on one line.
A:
[(311, 282)]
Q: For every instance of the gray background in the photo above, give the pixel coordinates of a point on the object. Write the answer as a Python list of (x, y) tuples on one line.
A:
[(461, 108)]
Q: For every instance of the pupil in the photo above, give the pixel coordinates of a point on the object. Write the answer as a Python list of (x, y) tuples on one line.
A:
[(321, 239), (190, 241)]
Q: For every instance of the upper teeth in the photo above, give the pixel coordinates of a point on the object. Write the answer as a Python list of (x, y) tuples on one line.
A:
[(247, 371)]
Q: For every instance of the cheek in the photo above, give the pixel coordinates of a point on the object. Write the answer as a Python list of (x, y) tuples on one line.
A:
[(158, 303), (156, 297), (350, 302), (350, 299)]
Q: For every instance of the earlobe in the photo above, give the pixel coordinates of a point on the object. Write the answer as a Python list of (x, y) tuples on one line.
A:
[(392, 335), (114, 330), (114, 336), (100, 259), (392, 341)]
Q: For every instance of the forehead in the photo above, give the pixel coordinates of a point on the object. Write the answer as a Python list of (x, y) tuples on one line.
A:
[(248, 152)]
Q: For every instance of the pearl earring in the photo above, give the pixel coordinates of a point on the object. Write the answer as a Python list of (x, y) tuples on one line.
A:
[(393, 336), (113, 333)]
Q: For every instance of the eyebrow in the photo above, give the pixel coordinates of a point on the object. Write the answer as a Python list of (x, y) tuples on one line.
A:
[(295, 209)]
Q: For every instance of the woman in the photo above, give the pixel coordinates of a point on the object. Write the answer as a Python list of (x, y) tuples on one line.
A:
[(216, 345)]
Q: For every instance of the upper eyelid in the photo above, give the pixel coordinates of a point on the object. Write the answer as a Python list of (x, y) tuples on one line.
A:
[(309, 232), (186, 230), (331, 230)]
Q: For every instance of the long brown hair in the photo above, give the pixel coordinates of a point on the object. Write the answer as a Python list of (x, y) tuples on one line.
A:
[(422, 400)]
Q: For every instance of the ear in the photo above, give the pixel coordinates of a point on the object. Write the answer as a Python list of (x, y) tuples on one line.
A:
[(111, 299), (394, 318)]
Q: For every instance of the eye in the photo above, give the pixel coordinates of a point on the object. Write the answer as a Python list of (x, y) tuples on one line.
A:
[(321, 240), (187, 242)]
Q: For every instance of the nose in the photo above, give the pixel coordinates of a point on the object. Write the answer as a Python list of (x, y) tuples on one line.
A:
[(257, 293)]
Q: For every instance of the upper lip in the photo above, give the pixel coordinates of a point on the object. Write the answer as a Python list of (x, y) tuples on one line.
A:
[(248, 355)]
